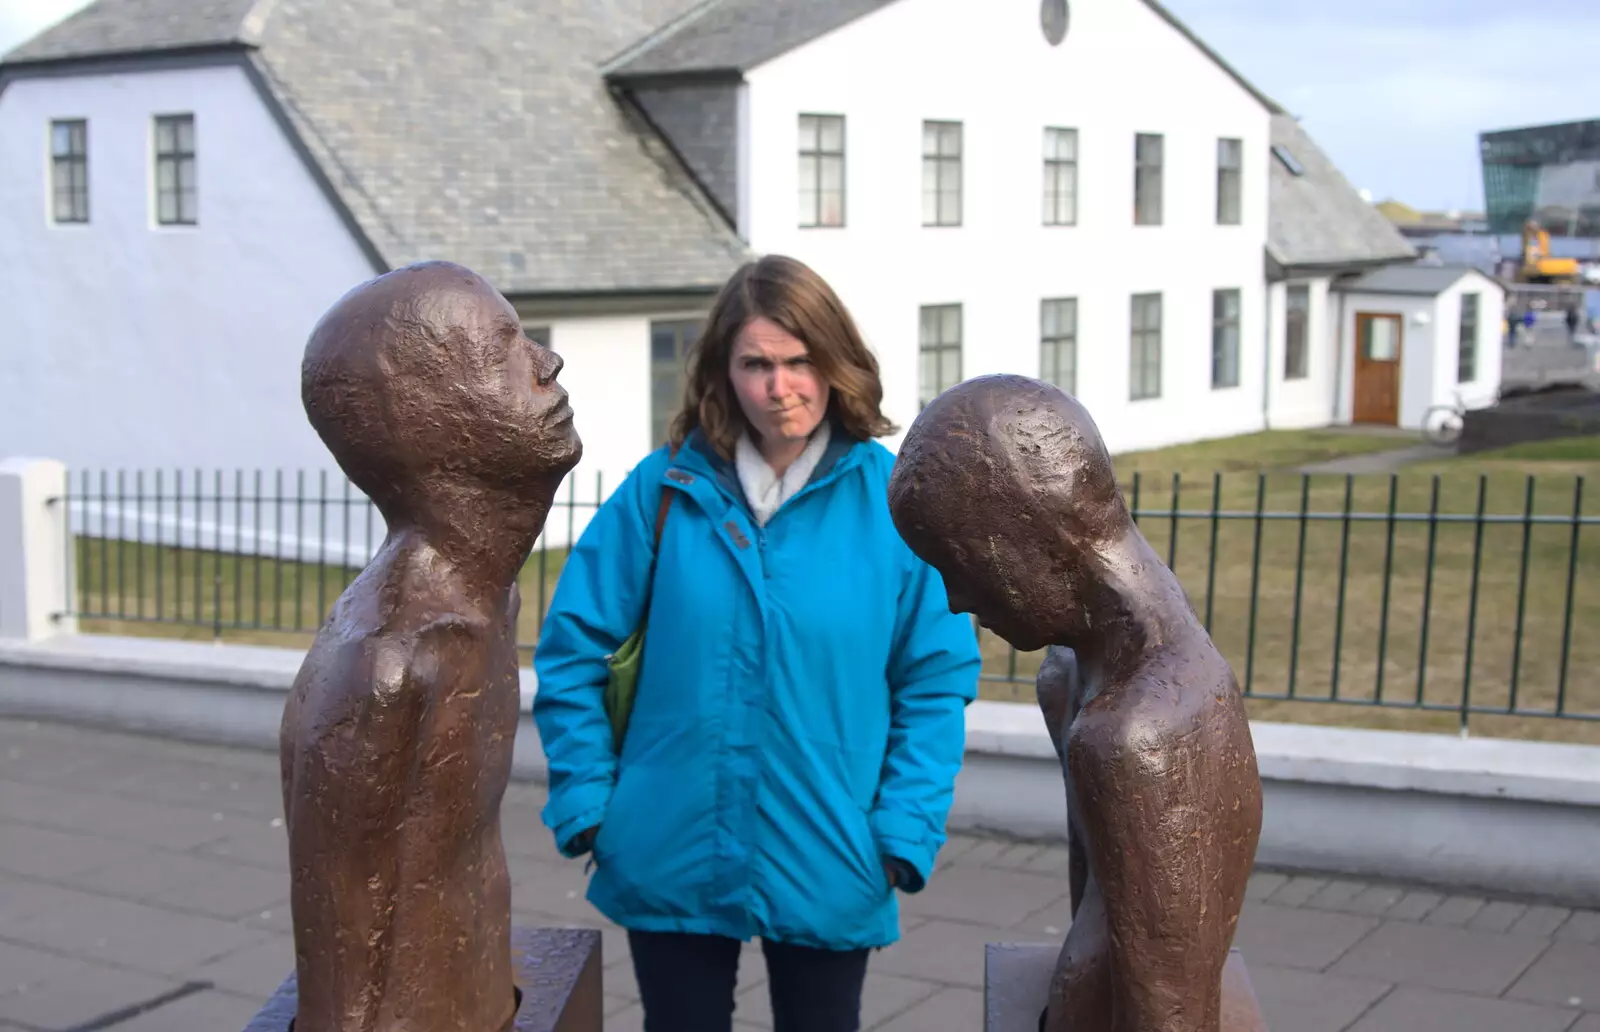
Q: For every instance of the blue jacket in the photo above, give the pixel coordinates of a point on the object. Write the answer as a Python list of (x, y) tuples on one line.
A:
[(800, 714)]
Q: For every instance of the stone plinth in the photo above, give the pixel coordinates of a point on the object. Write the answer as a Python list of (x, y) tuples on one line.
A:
[(556, 969), (1016, 985)]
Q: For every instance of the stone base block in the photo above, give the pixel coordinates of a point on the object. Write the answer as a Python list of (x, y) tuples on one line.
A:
[(1016, 986), (557, 973)]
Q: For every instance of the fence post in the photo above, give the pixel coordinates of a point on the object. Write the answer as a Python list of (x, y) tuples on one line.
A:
[(35, 550)]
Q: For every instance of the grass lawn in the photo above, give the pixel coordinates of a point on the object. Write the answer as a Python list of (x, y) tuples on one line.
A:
[(1315, 608)]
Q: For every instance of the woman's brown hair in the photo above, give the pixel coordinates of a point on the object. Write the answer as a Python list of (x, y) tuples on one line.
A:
[(789, 294)]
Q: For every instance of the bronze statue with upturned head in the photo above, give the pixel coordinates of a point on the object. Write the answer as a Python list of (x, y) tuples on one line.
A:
[(1004, 485), (397, 737)]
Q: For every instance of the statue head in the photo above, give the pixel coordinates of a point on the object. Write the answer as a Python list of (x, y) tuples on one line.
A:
[(423, 386), (1004, 486)]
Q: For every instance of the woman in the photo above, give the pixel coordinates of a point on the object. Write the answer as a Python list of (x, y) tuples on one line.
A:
[(799, 722)]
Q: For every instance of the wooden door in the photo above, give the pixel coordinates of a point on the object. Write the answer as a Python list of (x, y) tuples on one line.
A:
[(1377, 380)]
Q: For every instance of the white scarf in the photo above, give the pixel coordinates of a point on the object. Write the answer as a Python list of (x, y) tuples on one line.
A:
[(763, 488)]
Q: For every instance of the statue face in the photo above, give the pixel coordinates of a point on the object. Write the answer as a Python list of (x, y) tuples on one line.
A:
[(1006, 578), (536, 437)]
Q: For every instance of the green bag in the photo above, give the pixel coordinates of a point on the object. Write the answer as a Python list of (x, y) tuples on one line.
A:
[(622, 666)]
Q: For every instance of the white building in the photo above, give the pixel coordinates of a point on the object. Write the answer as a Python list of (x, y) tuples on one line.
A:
[(1097, 199)]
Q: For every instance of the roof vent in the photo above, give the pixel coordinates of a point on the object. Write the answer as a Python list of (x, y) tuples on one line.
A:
[(1290, 162)]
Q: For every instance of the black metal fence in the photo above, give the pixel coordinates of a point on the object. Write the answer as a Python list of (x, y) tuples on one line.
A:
[(1460, 596)]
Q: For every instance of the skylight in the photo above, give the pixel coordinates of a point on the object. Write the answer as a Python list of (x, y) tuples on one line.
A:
[(1290, 162)]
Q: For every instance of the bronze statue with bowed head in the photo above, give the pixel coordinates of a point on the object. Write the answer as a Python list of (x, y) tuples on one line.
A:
[(1004, 485), (396, 739)]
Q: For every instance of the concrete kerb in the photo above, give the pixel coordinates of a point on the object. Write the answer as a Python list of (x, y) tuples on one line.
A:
[(1462, 814)]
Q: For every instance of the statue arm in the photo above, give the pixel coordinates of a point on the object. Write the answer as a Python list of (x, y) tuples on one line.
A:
[(598, 602), (933, 675), (1141, 795)]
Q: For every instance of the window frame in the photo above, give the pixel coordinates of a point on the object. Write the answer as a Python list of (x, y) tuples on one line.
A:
[(1062, 344), (943, 164), (685, 332), (177, 158), (1296, 346), (1060, 177), (1230, 181), (820, 157), (1148, 178), (1144, 347), (74, 162), (1222, 351), (940, 317), (1467, 343)]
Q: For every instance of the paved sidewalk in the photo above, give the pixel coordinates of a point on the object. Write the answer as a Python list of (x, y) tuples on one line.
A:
[(143, 888)]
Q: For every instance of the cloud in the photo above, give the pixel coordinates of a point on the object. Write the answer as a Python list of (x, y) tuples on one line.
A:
[(1397, 91)]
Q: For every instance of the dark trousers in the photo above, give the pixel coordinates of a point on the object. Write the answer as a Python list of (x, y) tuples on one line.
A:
[(686, 983)]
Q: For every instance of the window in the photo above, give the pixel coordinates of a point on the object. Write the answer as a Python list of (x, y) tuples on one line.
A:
[(1467, 342), (177, 198), (1224, 338), (69, 171), (1230, 182), (1058, 343), (1060, 177), (1296, 314), (669, 348), (941, 173), (821, 170), (1287, 159), (941, 350), (1147, 179), (1144, 351)]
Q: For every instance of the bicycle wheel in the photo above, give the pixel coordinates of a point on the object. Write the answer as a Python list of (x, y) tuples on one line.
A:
[(1441, 425)]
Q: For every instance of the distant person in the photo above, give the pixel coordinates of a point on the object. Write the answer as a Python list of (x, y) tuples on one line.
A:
[(1528, 319), (790, 760), (1572, 325)]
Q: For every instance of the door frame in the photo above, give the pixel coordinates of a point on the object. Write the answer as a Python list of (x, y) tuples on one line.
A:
[(1362, 320)]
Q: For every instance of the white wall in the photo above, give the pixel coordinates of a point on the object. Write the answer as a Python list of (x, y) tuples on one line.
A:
[(1483, 389), (1417, 352), (607, 375), (133, 346), (1121, 70), (1306, 402), (1429, 346), (129, 344)]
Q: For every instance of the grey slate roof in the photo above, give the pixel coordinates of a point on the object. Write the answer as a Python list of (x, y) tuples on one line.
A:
[(736, 35), (1418, 280), (727, 36), (139, 26), (1318, 218), (478, 131)]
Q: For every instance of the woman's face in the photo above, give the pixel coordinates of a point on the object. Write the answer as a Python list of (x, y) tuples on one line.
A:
[(780, 391)]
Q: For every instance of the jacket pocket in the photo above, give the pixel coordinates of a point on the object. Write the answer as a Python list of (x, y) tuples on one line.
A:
[(653, 851)]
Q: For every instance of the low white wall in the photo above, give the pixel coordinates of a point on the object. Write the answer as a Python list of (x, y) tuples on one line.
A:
[(1466, 814)]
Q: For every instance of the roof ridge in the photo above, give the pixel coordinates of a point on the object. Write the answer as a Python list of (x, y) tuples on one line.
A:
[(650, 39), (254, 22)]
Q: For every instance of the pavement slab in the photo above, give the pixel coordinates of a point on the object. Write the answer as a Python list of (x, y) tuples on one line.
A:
[(136, 870)]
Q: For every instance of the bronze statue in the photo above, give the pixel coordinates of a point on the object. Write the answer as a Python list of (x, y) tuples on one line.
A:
[(1004, 485), (397, 737)]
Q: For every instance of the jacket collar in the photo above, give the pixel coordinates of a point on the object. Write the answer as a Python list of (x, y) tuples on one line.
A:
[(698, 456)]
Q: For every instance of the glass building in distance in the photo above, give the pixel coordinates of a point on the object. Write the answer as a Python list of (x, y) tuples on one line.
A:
[(1548, 173)]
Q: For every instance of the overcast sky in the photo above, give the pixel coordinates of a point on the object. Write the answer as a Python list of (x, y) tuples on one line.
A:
[(1395, 90)]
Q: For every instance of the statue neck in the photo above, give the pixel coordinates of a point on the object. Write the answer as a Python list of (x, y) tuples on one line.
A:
[(1134, 605), (480, 538)]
